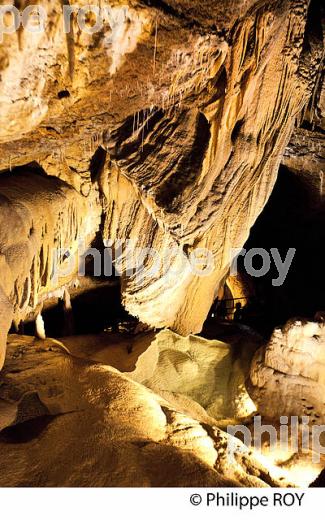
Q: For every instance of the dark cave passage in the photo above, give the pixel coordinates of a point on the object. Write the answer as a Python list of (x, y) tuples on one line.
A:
[(139, 142), (96, 306), (96, 302), (292, 218)]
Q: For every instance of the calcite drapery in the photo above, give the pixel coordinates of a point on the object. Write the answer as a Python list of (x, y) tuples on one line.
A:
[(193, 106), (40, 219)]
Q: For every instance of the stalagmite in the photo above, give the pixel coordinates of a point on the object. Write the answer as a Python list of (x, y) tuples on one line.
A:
[(138, 157), (40, 327), (68, 313)]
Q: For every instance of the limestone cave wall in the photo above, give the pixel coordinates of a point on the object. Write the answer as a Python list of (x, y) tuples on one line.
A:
[(166, 127)]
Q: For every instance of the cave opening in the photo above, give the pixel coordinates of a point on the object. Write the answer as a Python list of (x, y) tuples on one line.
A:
[(291, 220), (96, 304), (33, 168), (95, 307), (88, 304)]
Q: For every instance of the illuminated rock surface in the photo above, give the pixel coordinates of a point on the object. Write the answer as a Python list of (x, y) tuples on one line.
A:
[(39, 217), (287, 381), (209, 373), (70, 422), (175, 117), (200, 376), (166, 128), (288, 375)]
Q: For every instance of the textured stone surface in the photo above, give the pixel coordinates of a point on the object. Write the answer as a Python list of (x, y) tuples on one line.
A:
[(177, 114), (288, 375), (71, 422), (210, 373), (305, 155), (40, 219)]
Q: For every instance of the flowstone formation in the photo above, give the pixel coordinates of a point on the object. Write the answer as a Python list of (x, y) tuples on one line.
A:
[(288, 375), (39, 218), (71, 422), (198, 374), (174, 118), (286, 383), (160, 134)]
